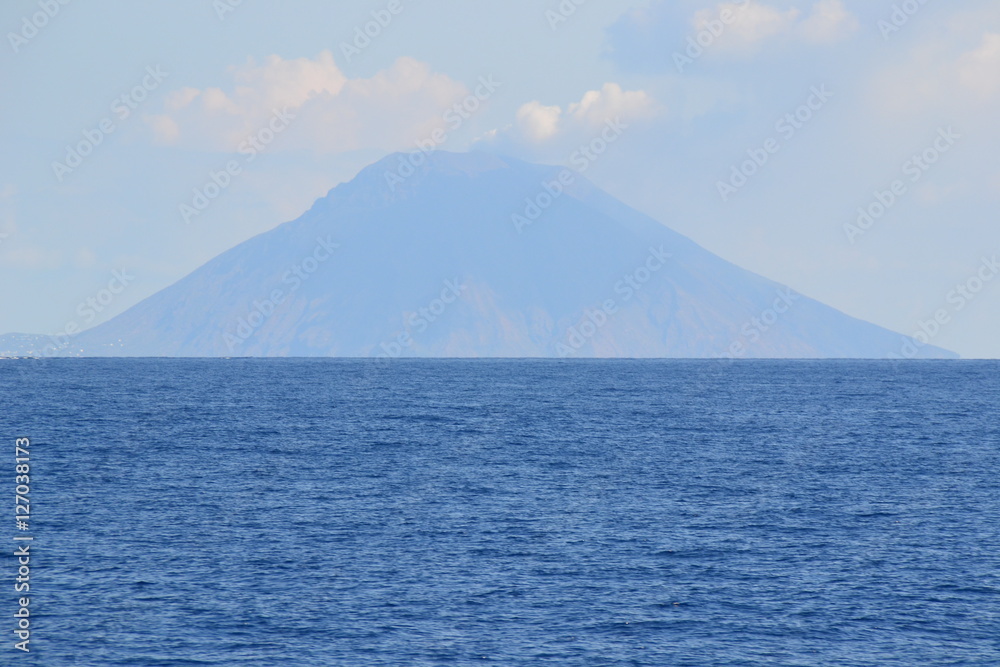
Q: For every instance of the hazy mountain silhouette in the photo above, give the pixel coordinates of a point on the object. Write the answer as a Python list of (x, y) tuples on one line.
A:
[(463, 258)]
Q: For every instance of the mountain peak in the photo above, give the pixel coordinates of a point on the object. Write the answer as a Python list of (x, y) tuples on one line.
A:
[(471, 254), (399, 175)]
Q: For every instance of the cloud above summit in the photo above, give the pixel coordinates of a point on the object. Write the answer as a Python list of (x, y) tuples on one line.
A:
[(537, 122), (331, 112)]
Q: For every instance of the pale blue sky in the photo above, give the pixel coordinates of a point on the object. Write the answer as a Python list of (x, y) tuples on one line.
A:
[(893, 93)]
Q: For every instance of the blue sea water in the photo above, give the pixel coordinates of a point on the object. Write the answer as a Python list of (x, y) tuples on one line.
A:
[(325, 512)]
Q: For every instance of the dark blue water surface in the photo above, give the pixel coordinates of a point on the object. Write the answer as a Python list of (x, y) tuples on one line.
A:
[(322, 512)]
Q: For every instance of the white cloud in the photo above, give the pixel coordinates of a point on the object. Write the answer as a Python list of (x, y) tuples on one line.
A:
[(31, 256), (333, 113), (933, 78), (979, 70), (752, 24), (940, 76), (165, 129), (178, 99), (537, 123), (599, 106), (829, 22), (280, 83)]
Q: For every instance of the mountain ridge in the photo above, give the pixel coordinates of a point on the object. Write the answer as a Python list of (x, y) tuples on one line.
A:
[(364, 272)]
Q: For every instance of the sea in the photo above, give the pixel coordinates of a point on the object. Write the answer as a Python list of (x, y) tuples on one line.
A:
[(503, 512)]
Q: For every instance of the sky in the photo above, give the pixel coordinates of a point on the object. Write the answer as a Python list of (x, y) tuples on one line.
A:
[(845, 148)]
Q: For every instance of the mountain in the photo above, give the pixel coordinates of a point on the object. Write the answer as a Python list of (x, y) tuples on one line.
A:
[(478, 255)]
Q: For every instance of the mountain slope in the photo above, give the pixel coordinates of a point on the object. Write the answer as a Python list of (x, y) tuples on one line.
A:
[(473, 256)]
